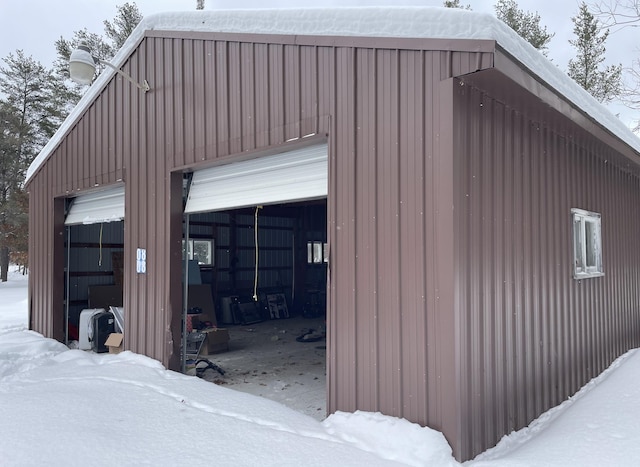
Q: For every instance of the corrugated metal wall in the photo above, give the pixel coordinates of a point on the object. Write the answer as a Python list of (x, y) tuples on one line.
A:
[(531, 335), (387, 348), (214, 98), (46, 259)]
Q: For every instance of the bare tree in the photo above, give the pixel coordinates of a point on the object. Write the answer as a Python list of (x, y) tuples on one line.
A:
[(630, 93), (618, 15)]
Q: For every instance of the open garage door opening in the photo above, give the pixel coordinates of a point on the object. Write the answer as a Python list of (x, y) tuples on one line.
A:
[(94, 245), (257, 276)]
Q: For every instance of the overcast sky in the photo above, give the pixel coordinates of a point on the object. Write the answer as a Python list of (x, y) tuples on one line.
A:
[(34, 25)]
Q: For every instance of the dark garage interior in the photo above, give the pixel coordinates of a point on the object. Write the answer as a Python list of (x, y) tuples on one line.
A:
[(288, 242), (284, 295)]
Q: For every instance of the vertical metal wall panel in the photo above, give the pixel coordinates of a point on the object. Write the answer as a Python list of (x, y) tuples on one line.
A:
[(368, 312), (176, 93), (248, 95), (387, 226), (308, 89), (276, 92), (198, 115), (261, 99), (46, 268), (345, 311), (37, 297), (292, 88), (430, 112), (531, 334), (210, 99), (222, 98), (139, 170), (156, 210), (234, 91), (447, 413), (411, 212)]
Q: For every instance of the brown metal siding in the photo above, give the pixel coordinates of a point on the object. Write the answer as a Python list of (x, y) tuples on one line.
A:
[(531, 335), (141, 138), (389, 348), (387, 199), (50, 267), (344, 318), (411, 231)]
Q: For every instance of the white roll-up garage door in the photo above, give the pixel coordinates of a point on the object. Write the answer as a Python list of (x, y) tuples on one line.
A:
[(296, 175), (99, 206)]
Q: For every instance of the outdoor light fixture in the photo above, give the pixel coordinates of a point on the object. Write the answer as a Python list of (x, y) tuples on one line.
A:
[(82, 67)]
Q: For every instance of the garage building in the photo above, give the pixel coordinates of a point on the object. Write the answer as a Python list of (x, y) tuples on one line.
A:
[(465, 214)]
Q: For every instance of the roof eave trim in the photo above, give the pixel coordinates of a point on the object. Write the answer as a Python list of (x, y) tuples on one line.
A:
[(578, 112)]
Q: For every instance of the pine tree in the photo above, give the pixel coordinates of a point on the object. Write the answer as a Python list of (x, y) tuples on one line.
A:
[(526, 24), (455, 4), (64, 48), (116, 31), (29, 116), (16, 227), (30, 95), (585, 69), (123, 24), (34, 102), (8, 176)]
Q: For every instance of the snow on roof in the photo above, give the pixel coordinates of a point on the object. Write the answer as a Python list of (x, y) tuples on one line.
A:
[(403, 22)]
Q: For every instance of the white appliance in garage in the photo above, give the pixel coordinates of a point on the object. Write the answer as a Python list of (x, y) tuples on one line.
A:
[(85, 327)]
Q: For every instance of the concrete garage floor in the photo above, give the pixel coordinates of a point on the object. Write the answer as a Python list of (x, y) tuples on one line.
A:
[(264, 359)]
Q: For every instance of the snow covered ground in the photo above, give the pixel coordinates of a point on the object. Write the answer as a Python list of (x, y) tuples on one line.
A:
[(71, 407), (265, 359)]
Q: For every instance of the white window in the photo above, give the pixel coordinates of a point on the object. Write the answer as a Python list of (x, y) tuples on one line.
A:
[(587, 244), (317, 253), (200, 250)]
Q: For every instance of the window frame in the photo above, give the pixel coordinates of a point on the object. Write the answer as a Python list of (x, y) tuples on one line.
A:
[(191, 250), (317, 252), (586, 228)]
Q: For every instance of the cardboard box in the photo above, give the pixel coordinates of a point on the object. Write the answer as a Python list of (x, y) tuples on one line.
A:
[(217, 341), (114, 342)]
